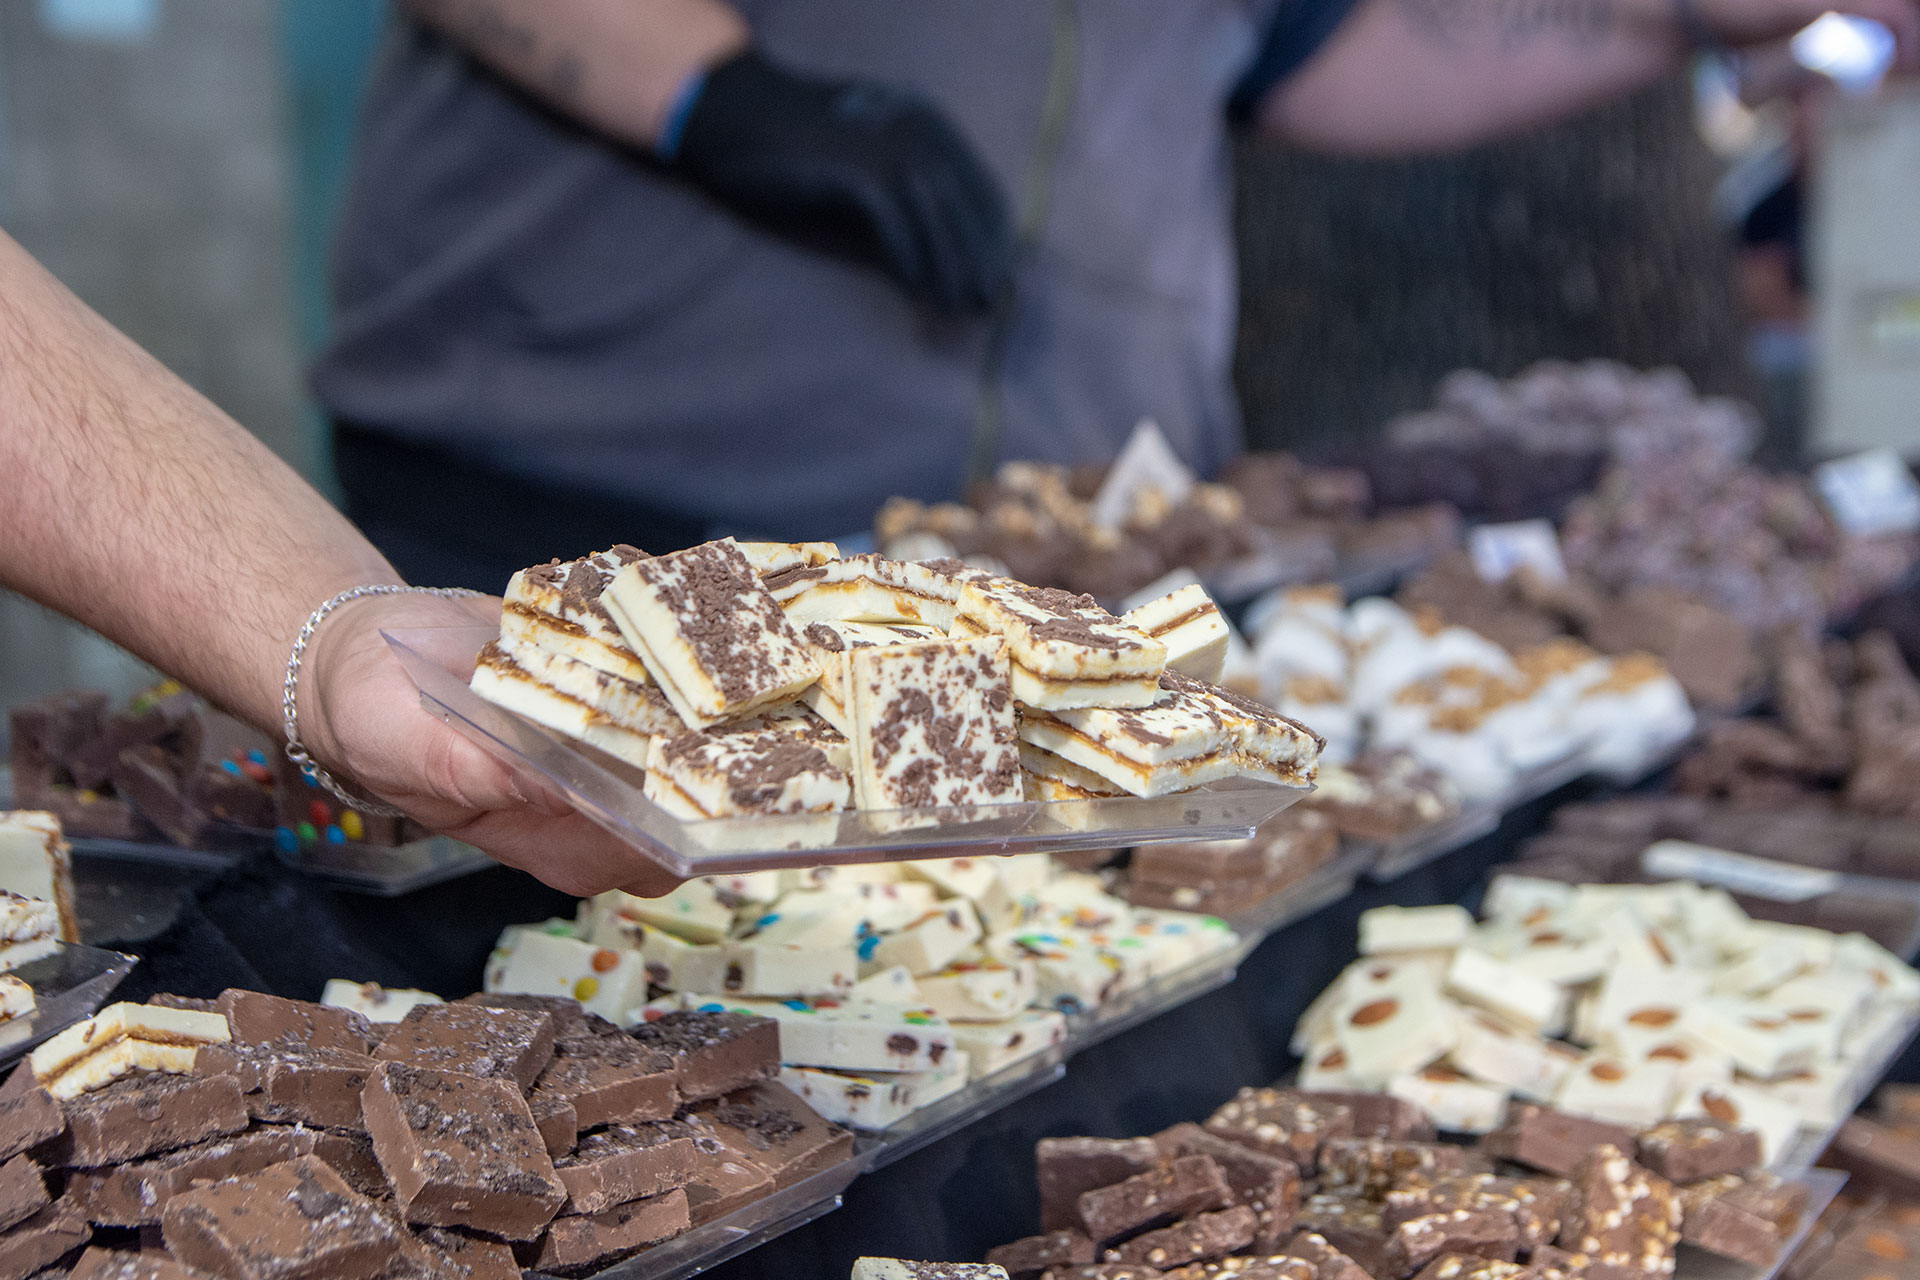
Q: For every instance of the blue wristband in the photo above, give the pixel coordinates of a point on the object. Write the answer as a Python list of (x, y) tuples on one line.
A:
[(683, 103)]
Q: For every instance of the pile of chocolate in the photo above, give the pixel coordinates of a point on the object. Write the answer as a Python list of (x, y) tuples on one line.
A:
[(254, 1136), (1035, 522), (1291, 1184), (167, 764)]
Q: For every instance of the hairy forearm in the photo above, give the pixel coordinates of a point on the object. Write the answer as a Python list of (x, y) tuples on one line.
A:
[(1423, 75), (616, 65), (132, 504)]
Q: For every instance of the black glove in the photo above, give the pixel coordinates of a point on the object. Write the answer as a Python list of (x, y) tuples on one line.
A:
[(857, 168)]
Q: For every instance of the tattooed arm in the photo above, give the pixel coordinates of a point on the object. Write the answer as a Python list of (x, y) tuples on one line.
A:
[(1413, 75), (615, 65)]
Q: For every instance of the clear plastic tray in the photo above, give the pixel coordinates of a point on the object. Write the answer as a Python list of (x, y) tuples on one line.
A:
[(607, 791), (1697, 1264), (69, 985), (384, 871), (1155, 996), (980, 1098), (1869, 1069), (1321, 887)]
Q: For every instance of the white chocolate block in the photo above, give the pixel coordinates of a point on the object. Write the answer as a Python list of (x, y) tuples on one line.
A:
[(1763, 1042), (1394, 1027), (1617, 1090), (850, 1037), (993, 1046), (374, 1002), (1762, 969), (1822, 1094), (121, 1039), (1506, 990), (1453, 1102), (1326, 1068), (1066, 651), (1893, 981), (636, 705), (1746, 1107), (694, 911), (1521, 1064), (605, 980), (957, 877), (1177, 743), (1189, 624), (934, 725), (35, 862), (1175, 939), (709, 632), (755, 968), (727, 775), (877, 1100), (1267, 745), (1525, 900), (989, 991), (501, 681), (1070, 974), (1829, 1003), (16, 998), (932, 942), (894, 985), (768, 558), (1413, 928), (678, 965)]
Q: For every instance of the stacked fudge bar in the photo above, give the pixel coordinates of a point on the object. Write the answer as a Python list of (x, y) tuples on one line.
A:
[(1292, 1184), (253, 1136), (1624, 1004), (1230, 876), (1375, 675), (893, 984), (784, 680)]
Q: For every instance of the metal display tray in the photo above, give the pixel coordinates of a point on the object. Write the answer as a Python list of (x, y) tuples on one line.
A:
[(608, 792), (68, 986)]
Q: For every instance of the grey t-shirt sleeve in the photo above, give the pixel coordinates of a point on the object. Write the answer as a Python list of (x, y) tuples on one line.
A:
[(1294, 34)]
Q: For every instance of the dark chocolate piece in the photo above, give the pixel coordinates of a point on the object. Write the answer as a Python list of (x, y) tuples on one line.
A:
[(1110, 1271), (1282, 1122), (1026, 1258), (1267, 1184), (1877, 1154), (132, 1195), (1620, 1214), (610, 1080), (626, 1162), (714, 1053), (1183, 1186), (1730, 1231), (1690, 1150), (42, 1240), (1377, 1115), (1070, 1167), (23, 1191), (257, 1018), (1480, 1233), (766, 1124), (1551, 1141), (576, 1245), (122, 1264), (461, 1150), (140, 1115), (1205, 1235), (501, 1044), (292, 1221), (1351, 1225)]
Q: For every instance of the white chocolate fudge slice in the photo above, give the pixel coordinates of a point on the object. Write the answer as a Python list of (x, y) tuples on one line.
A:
[(29, 929), (985, 992), (503, 682), (1507, 991), (1821, 1094), (1179, 742), (768, 558), (892, 985), (877, 1100), (709, 632), (901, 1269), (1414, 928), (1521, 1064), (934, 724), (871, 588), (1067, 652), (797, 720), (374, 1002), (557, 605), (1070, 974), (1189, 624), (638, 705), (1892, 980), (1269, 745), (1046, 778), (16, 998), (755, 968), (1606, 1087), (932, 942), (1394, 1028), (833, 644), (957, 877), (121, 1039), (694, 911), (1762, 1041), (709, 775), (35, 862), (850, 1037), (993, 1046), (1452, 1101), (605, 980)]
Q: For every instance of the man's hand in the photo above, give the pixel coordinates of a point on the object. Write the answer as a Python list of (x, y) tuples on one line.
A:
[(1741, 23), (361, 716), (863, 169)]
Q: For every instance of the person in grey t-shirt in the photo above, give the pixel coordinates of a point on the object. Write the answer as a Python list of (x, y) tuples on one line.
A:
[(649, 270)]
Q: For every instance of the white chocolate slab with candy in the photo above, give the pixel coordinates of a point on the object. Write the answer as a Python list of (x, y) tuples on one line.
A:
[(873, 1100), (848, 1037), (987, 991), (993, 1046)]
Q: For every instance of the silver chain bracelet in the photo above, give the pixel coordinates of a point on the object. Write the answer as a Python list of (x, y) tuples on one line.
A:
[(289, 695)]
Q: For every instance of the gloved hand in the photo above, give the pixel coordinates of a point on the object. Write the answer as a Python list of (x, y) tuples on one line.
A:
[(863, 169)]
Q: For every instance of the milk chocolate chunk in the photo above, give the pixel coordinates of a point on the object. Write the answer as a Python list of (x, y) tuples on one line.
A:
[(626, 1162), (479, 1259), (1282, 1122), (1108, 1271), (722, 1180), (1351, 1225), (1267, 1184), (555, 1118), (125, 1264), (314, 1086), (1692, 1150), (461, 1151), (292, 1221), (1372, 1167), (139, 1115), (257, 1018), (28, 1115), (1535, 1205), (23, 1191), (714, 1053), (579, 1244), (41, 1240), (766, 1124), (1205, 1235), (351, 1156), (1025, 1259), (132, 1195), (1620, 1214), (610, 1080), (1476, 1233), (1328, 1262), (1070, 1167), (1187, 1185), (501, 1044), (1731, 1231), (1551, 1141), (1467, 1266), (570, 1018)]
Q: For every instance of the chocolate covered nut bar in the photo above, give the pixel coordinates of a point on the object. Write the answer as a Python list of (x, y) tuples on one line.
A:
[(1066, 651), (1129, 1271), (626, 1162), (1355, 1227), (1205, 1235), (1186, 1185), (1620, 1214), (768, 1126), (1471, 1232), (1535, 1206), (1189, 625), (1466, 1266), (1724, 1226), (1693, 1150), (708, 775), (461, 1150), (934, 724), (1285, 1122), (1328, 1262), (579, 1244), (120, 1039), (1552, 1141), (292, 1221), (140, 1114), (833, 645), (713, 1053), (1069, 1167), (1267, 1184), (133, 1194), (709, 633), (514, 1045), (609, 1080), (1026, 1259), (1372, 1167)]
